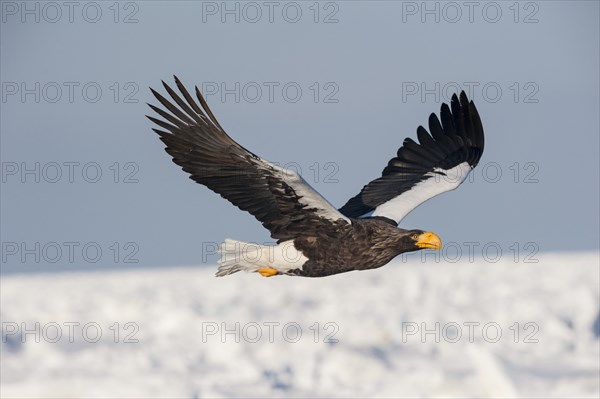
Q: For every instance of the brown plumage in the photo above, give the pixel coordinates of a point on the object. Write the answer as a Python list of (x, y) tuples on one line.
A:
[(365, 244)]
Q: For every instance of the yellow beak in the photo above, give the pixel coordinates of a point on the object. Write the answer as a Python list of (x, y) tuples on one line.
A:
[(429, 240)]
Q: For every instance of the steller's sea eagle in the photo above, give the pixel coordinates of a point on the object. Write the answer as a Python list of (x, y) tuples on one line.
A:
[(314, 239)]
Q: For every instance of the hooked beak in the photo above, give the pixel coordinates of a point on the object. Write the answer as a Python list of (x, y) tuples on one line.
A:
[(429, 240)]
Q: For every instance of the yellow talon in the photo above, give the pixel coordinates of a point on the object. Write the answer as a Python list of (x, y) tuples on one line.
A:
[(267, 271)]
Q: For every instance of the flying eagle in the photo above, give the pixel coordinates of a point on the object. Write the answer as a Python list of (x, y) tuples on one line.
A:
[(314, 239)]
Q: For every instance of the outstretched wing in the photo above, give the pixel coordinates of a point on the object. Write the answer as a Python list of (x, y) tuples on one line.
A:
[(440, 162), (280, 199)]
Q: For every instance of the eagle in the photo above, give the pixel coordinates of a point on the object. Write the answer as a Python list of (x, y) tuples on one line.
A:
[(313, 238)]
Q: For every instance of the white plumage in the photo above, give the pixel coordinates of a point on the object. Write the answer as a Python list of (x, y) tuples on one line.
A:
[(439, 181)]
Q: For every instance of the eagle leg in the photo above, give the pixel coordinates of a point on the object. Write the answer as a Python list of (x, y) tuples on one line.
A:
[(267, 271)]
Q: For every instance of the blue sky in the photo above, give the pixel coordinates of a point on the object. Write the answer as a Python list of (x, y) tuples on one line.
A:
[(330, 89)]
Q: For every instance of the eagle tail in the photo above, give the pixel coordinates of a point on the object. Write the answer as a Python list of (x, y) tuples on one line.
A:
[(268, 260), (239, 255)]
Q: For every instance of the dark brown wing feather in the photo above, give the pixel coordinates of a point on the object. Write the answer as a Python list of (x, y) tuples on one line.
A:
[(282, 201), (458, 138)]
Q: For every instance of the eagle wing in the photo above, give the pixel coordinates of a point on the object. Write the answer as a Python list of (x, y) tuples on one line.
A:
[(440, 162), (280, 199)]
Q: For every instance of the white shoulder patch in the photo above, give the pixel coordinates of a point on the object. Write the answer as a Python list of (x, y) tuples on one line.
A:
[(438, 182), (308, 195)]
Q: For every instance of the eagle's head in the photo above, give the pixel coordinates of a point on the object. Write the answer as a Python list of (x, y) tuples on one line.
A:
[(415, 240)]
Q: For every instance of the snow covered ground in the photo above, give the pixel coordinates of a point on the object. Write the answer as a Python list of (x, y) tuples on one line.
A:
[(503, 329)]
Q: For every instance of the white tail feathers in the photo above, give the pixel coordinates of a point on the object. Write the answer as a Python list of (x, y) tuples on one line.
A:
[(239, 255)]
